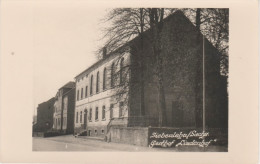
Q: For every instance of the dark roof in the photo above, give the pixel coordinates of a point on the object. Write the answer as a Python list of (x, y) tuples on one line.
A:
[(48, 101), (176, 13), (109, 56), (70, 84), (72, 89)]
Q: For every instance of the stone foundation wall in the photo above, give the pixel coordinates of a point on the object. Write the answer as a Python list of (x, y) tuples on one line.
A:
[(129, 135)]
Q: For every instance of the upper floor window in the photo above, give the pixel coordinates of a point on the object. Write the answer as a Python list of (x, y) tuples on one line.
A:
[(113, 75), (91, 85), (96, 113), (104, 78), (103, 112), (86, 91), (81, 93), (97, 83), (122, 71), (77, 94)]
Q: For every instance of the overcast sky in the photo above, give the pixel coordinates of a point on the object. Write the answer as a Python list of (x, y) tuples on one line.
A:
[(65, 38), (52, 41)]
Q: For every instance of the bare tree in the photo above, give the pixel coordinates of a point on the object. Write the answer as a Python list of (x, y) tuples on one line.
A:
[(214, 24), (127, 23)]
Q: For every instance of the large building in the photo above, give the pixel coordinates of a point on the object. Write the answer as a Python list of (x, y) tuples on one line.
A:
[(108, 93), (95, 105), (44, 116), (63, 113)]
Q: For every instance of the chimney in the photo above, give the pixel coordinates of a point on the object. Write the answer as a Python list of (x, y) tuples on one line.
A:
[(104, 52)]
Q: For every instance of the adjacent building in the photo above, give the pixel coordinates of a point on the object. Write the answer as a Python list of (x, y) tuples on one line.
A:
[(44, 116), (108, 93), (63, 113)]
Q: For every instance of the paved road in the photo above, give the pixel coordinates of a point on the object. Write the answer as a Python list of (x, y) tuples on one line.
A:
[(70, 143)]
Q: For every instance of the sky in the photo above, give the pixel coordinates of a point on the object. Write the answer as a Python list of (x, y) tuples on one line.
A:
[(45, 44), (65, 37)]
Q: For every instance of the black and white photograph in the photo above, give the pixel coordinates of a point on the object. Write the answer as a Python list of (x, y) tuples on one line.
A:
[(140, 81), (131, 79)]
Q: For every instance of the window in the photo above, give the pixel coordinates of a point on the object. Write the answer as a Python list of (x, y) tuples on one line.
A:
[(96, 132), (91, 85), (111, 110), (77, 117), (112, 75), (96, 113), (81, 93), (64, 121), (102, 131), (80, 119), (97, 83), (78, 95), (103, 113), (122, 71), (90, 114), (86, 91), (121, 107), (104, 78)]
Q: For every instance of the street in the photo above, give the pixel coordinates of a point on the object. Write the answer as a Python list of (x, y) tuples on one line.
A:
[(70, 143)]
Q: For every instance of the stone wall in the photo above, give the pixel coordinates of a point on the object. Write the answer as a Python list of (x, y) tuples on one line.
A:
[(129, 135)]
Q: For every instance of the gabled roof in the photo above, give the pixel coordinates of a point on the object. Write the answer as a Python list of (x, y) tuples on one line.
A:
[(70, 84), (177, 13)]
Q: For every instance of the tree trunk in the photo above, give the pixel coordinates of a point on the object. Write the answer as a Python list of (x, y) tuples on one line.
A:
[(156, 23), (162, 110), (198, 21), (142, 107)]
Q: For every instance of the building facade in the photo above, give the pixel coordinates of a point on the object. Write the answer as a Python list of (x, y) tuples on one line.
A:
[(44, 116), (64, 106), (108, 94), (96, 104)]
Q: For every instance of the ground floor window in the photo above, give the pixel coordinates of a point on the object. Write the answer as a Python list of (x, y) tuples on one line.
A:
[(90, 114), (80, 119), (96, 114), (111, 110), (103, 112), (77, 117), (64, 121), (121, 107)]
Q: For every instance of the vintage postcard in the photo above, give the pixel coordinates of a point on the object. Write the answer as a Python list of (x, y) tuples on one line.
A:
[(103, 81)]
